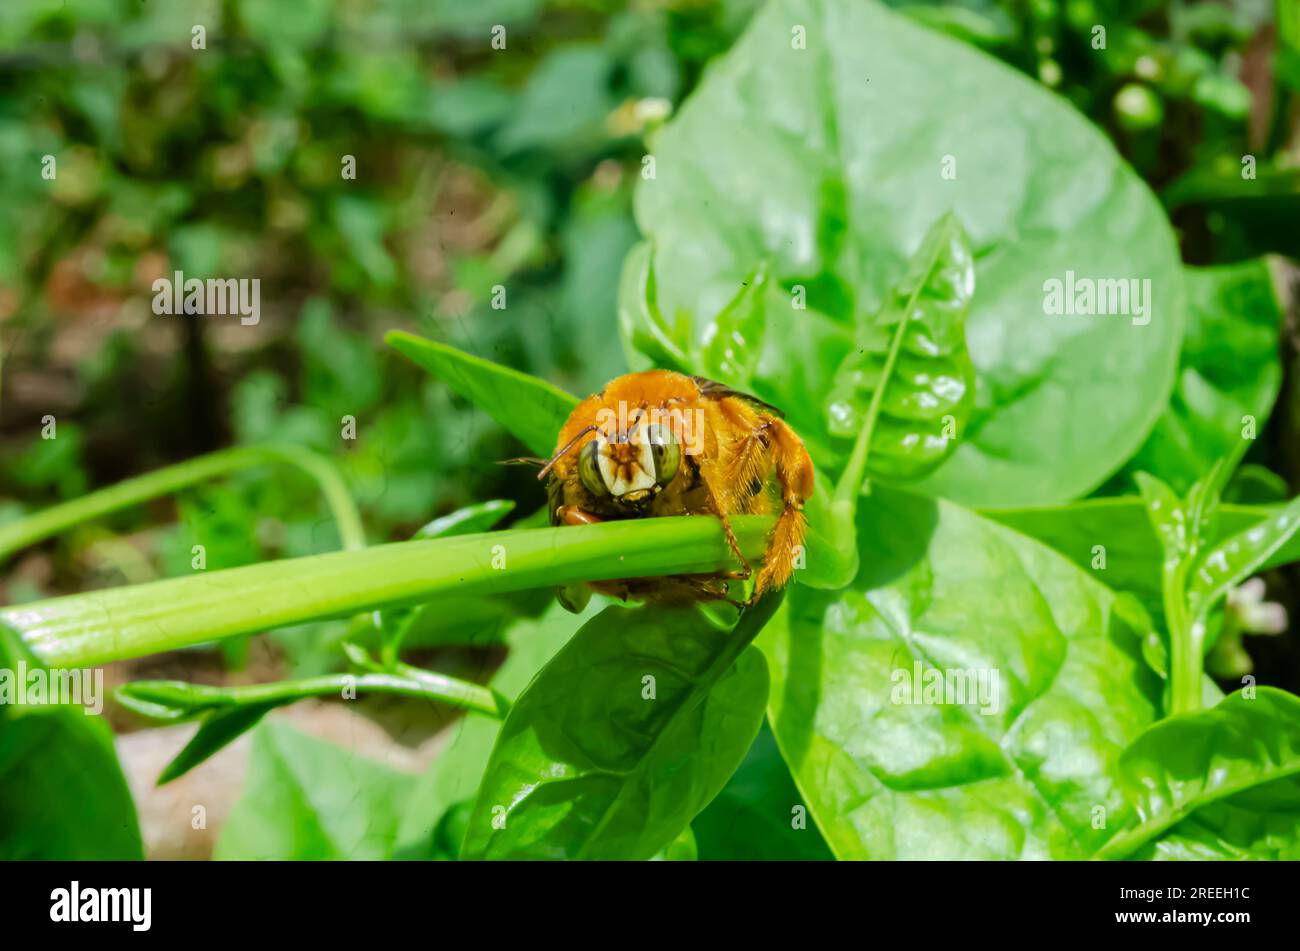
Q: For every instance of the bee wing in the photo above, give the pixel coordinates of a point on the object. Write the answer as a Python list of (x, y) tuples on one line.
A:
[(718, 390)]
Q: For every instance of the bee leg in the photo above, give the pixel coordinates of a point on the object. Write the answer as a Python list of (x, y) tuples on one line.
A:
[(794, 472), (716, 500), (710, 589), (572, 515)]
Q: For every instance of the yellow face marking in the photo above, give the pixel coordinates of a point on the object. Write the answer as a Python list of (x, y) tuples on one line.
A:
[(626, 466)]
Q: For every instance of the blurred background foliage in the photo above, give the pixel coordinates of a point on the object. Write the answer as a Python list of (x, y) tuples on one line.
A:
[(476, 168)]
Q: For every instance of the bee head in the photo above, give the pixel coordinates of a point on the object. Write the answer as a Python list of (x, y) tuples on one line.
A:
[(631, 467)]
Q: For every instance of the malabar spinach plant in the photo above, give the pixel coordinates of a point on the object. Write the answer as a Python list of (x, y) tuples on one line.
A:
[(859, 232)]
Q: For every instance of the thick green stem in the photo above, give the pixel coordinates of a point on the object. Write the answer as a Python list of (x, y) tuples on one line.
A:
[(102, 626), (1186, 646), (34, 528)]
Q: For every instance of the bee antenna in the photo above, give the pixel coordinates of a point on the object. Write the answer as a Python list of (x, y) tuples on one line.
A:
[(563, 452)]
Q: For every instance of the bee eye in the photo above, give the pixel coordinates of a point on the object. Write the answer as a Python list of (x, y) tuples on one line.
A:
[(667, 454), (589, 469)]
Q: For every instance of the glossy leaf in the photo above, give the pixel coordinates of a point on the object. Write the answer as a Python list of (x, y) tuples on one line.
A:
[(1225, 782), (827, 162), (62, 792), (909, 380), (1235, 559), (630, 730), (1013, 773), (529, 408), (759, 815), (466, 521), (454, 776)]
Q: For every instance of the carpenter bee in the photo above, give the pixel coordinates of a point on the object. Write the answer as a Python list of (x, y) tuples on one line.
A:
[(662, 443)]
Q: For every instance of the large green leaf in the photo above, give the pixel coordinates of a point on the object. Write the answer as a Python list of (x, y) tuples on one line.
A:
[(453, 778), (1028, 773), (1220, 783), (1230, 369), (630, 730), (759, 815), (1112, 538), (828, 163), (308, 799), (529, 408), (62, 793)]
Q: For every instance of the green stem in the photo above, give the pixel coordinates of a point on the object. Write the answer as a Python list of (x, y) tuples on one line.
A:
[(101, 626), (1186, 646), (18, 535), (199, 698)]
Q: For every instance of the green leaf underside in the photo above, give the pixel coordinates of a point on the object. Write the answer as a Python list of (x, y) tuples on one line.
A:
[(62, 792), (217, 731), (529, 408), (827, 163), (1222, 783), (588, 765), (898, 780)]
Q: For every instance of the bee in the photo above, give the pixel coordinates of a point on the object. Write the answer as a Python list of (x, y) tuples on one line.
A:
[(660, 443)]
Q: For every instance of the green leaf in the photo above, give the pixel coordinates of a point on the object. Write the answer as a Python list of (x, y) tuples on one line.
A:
[(828, 162), (62, 793), (630, 730), (1230, 369), (310, 800), (216, 732), (910, 377), (1168, 515), (759, 815), (1234, 560), (1016, 772), (530, 409), (1112, 539), (681, 849), (1224, 783), (566, 101), (732, 339), (454, 776)]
